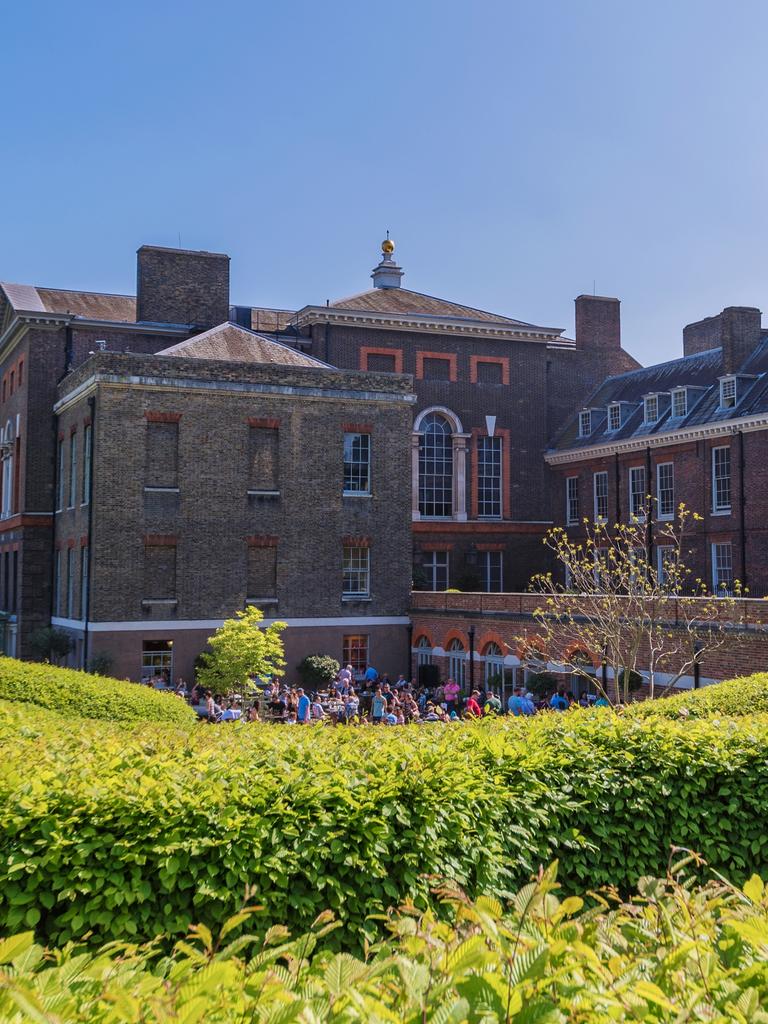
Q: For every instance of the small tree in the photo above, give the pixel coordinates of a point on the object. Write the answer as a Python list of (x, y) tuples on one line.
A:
[(318, 670), (620, 606), (100, 663), (241, 648), (50, 644)]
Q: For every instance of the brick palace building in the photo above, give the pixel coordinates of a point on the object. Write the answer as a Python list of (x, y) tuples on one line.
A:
[(168, 457)]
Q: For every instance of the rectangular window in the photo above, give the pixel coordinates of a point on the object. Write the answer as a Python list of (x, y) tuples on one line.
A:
[(356, 572), (86, 494), (489, 477), (357, 463), (666, 557), (21, 372), (679, 403), (436, 567), (637, 492), (572, 500), (83, 582), (490, 373), (14, 580), (72, 470), (355, 653), (614, 417), (263, 459), (60, 479), (162, 455), (665, 490), (378, 362), (436, 368), (728, 393), (651, 408), (722, 569), (262, 573), (70, 604), (56, 583), (159, 572), (601, 566), (13, 381), (157, 659), (585, 423), (600, 487), (721, 479), (493, 572), (6, 560)]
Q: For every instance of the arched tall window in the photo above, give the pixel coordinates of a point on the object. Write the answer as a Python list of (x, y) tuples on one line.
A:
[(494, 662), (424, 651), (6, 474), (457, 661), (436, 467)]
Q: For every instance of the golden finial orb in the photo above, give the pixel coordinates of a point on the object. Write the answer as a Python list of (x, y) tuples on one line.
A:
[(387, 246)]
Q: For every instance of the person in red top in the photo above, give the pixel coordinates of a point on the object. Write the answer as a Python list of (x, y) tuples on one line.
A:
[(473, 709)]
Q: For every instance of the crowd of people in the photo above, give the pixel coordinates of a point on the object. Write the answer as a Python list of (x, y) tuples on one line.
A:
[(371, 700)]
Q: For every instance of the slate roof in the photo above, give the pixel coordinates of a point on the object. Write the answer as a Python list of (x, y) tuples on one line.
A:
[(28, 298), (231, 343), (403, 300), (700, 372)]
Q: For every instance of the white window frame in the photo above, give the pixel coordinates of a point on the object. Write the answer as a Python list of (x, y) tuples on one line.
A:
[(494, 662), (70, 595), (61, 480), (720, 508), (572, 511), (490, 484), (423, 651), (728, 393), (662, 555), (599, 557), (676, 395), (614, 413), (488, 557), (660, 514), (651, 409), (86, 492), (633, 472), (726, 591), (603, 474), (585, 423), (457, 662), (72, 470), (351, 652), (356, 565), (432, 563), (355, 463)]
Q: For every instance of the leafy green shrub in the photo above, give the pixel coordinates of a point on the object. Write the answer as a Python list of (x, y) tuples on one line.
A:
[(634, 683), (132, 831), (318, 670), (671, 955), (48, 643), (745, 696), (541, 683), (82, 695)]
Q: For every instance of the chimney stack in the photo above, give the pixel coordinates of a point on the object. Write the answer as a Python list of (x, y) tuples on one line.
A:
[(736, 330), (179, 286), (598, 323)]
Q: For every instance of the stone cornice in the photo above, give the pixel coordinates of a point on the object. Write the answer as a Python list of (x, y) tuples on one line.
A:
[(424, 323), (747, 424)]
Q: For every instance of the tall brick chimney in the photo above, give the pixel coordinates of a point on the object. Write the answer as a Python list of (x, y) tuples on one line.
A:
[(598, 323), (736, 330), (180, 286)]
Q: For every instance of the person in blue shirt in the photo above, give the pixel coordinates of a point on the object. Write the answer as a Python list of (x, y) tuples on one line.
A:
[(302, 709), (519, 704), (559, 701), (371, 674)]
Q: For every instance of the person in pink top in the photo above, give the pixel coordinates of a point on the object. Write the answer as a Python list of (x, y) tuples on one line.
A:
[(451, 690)]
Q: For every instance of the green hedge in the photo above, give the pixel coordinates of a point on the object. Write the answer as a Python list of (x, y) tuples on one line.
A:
[(745, 696), (132, 831), (671, 955), (82, 695)]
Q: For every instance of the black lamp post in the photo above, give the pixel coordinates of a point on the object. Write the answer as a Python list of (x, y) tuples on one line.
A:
[(604, 673), (471, 635)]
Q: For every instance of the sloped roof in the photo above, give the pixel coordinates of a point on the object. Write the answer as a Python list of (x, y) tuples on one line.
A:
[(402, 300), (265, 319), (92, 305), (700, 371), (231, 343)]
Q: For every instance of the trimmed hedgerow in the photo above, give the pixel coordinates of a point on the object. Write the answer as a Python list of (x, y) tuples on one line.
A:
[(132, 831), (82, 695), (745, 696), (672, 954)]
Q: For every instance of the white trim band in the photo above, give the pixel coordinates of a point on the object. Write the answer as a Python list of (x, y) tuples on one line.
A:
[(152, 625)]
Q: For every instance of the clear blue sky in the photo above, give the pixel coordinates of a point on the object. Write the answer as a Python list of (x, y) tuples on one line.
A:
[(518, 150)]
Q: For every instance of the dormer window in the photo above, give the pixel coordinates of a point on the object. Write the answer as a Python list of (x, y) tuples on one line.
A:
[(679, 403), (728, 393), (614, 417), (585, 423), (650, 408)]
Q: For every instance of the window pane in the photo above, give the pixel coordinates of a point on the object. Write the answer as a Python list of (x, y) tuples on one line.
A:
[(355, 649), (436, 568), (356, 572), (637, 491), (489, 477), (665, 486), (572, 499), (493, 571), (721, 479), (436, 468), (357, 463), (601, 495)]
